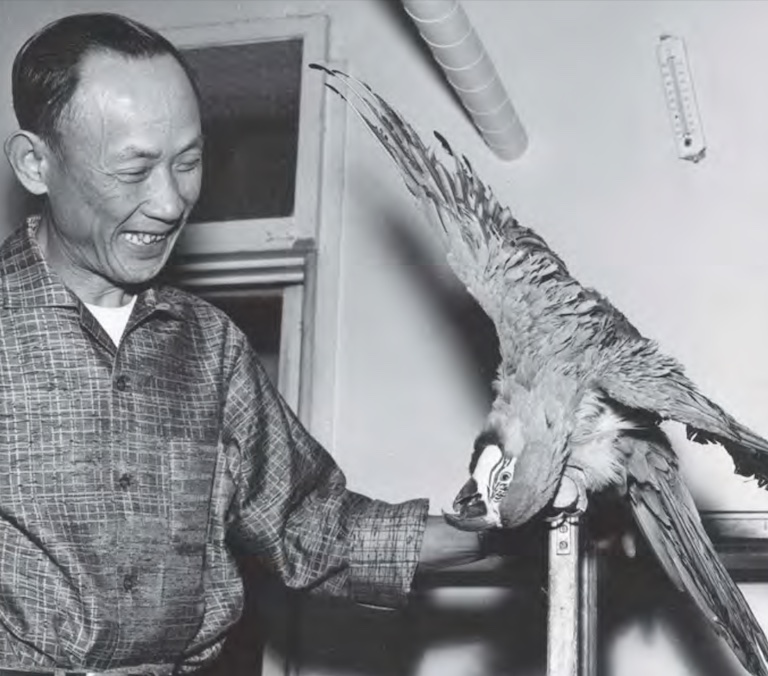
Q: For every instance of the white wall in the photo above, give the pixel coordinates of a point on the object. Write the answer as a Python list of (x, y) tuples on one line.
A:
[(678, 247)]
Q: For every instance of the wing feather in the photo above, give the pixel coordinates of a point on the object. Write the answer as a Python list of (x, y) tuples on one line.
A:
[(488, 249), (665, 513), (650, 381)]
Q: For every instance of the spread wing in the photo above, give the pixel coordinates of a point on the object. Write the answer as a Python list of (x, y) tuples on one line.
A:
[(538, 309), (543, 317), (641, 378), (666, 515)]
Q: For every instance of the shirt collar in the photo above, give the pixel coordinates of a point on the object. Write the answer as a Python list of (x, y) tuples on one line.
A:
[(27, 281)]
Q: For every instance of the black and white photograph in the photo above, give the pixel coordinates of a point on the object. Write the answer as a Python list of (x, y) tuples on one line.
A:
[(383, 338)]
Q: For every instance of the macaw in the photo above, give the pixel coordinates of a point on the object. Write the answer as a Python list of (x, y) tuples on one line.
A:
[(579, 394)]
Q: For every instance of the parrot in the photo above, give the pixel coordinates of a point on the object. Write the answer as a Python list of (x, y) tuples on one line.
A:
[(579, 394)]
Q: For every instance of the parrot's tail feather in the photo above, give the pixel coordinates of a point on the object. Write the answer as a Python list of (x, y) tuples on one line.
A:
[(665, 513)]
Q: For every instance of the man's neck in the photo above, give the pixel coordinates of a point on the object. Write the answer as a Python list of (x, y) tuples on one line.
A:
[(86, 285)]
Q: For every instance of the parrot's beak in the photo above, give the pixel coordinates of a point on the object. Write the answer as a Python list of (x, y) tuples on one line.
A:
[(469, 509), (469, 502)]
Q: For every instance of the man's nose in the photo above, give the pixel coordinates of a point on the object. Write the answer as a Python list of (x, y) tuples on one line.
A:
[(165, 201)]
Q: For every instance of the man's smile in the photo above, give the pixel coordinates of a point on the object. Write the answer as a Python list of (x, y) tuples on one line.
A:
[(144, 238)]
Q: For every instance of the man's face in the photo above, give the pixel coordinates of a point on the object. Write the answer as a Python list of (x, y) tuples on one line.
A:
[(128, 169)]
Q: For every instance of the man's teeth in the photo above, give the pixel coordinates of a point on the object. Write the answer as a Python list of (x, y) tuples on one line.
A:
[(143, 238)]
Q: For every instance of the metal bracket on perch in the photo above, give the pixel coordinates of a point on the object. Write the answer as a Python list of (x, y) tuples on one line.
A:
[(572, 615)]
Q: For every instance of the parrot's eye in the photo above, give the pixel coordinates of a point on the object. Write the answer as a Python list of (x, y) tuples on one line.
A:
[(505, 476)]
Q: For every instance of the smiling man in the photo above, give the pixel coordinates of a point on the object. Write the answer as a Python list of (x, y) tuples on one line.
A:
[(121, 170), (142, 444)]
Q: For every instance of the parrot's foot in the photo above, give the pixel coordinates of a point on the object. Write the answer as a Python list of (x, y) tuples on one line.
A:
[(571, 497)]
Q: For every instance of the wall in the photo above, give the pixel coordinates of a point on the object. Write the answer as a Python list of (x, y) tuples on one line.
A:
[(678, 247)]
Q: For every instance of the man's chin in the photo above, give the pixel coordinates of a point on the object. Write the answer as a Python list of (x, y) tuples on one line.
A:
[(140, 268), (137, 277)]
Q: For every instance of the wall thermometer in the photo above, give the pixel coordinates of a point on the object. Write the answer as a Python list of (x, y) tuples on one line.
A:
[(680, 98)]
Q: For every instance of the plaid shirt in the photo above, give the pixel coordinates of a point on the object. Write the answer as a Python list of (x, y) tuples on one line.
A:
[(129, 474)]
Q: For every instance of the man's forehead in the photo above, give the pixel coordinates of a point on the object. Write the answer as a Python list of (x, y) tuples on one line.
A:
[(103, 62), (124, 81), (125, 100)]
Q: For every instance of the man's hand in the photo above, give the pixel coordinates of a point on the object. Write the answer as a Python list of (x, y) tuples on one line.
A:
[(445, 546)]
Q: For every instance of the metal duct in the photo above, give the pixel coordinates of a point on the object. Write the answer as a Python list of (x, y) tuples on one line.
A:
[(445, 27)]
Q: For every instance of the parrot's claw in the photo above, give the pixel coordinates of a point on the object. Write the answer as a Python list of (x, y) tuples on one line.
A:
[(571, 498)]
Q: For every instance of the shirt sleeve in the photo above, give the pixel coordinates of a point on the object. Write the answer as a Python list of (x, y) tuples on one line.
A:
[(292, 509)]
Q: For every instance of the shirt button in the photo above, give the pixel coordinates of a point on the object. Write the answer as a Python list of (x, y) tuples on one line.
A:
[(121, 383), (124, 481), (129, 582)]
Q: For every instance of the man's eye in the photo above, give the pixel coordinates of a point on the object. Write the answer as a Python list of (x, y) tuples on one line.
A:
[(133, 175), (189, 165)]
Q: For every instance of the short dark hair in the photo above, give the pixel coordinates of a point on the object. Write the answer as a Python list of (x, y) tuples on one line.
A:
[(46, 70)]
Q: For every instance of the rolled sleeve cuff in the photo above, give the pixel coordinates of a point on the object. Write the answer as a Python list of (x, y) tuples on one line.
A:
[(384, 552)]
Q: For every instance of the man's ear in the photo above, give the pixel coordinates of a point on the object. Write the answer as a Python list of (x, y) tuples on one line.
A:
[(29, 157)]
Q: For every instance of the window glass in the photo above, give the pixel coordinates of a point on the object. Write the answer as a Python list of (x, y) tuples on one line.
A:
[(250, 96)]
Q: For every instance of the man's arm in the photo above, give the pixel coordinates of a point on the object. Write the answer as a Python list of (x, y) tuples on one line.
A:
[(291, 507)]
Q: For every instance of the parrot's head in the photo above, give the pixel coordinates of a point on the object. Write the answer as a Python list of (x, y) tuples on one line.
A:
[(513, 477), (476, 507)]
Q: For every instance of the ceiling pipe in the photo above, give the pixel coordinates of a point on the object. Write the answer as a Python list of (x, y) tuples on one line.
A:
[(446, 29)]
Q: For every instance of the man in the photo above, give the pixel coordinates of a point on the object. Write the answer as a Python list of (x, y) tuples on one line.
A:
[(142, 444)]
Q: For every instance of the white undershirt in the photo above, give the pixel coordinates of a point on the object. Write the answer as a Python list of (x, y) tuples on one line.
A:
[(113, 319)]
